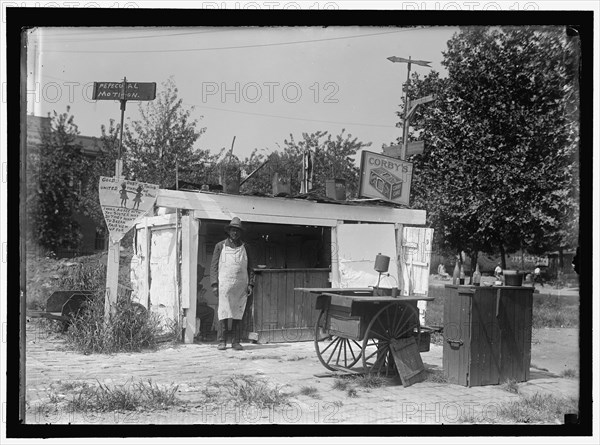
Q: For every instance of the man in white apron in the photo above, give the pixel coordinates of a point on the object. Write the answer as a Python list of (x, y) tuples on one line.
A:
[(232, 281)]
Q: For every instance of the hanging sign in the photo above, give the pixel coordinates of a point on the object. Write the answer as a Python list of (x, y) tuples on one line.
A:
[(124, 203), (114, 91), (385, 178)]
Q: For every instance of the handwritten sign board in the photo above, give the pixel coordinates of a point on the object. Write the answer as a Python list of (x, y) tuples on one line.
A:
[(385, 178), (124, 203), (413, 148), (134, 91)]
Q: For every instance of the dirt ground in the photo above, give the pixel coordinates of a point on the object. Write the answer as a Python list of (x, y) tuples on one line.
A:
[(291, 366)]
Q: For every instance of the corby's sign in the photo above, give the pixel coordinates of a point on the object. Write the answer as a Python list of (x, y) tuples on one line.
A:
[(385, 178)]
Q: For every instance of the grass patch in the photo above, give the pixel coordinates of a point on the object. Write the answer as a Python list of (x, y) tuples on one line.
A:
[(309, 391), (538, 408), (435, 376), (569, 373), (535, 409), (350, 384), (511, 385), (248, 390), (552, 311), (369, 381), (260, 357), (131, 396), (341, 384), (434, 316)]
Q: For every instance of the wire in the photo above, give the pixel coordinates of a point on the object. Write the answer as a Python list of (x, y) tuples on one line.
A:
[(73, 39), (276, 116), (227, 47)]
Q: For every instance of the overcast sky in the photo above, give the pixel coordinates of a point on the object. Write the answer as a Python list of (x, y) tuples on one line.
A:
[(259, 85)]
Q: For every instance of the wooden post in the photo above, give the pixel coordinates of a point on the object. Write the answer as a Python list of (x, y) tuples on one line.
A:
[(112, 278), (400, 257), (189, 278), (405, 122), (114, 248), (335, 259)]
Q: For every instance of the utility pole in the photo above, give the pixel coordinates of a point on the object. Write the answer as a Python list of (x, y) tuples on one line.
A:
[(407, 111)]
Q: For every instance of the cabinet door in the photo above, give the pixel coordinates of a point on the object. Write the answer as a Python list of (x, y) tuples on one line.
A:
[(514, 320), (486, 342), (457, 320)]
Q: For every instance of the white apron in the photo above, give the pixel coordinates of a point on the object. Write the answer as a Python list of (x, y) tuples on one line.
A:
[(233, 282)]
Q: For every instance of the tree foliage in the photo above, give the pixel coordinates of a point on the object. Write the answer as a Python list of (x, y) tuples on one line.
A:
[(499, 170), (332, 156), (61, 173), (164, 135)]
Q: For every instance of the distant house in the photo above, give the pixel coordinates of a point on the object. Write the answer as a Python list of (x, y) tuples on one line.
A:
[(93, 239)]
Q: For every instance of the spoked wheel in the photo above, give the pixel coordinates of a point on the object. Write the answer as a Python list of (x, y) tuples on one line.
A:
[(394, 321), (334, 352)]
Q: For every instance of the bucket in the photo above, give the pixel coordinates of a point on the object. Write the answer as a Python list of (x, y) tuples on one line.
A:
[(513, 278), (386, 292), (335, 189), (382, 263)]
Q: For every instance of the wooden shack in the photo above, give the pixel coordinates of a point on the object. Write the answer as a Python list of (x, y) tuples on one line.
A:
[(295, 243)]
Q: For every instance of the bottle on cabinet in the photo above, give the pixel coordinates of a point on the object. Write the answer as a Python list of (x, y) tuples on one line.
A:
[(476, 276), (456, 273)]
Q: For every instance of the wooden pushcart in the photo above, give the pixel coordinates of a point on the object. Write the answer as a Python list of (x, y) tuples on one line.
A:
[(360, 326)]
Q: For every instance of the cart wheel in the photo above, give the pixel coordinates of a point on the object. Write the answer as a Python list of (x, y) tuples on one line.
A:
[(394, 321), (334, 352)]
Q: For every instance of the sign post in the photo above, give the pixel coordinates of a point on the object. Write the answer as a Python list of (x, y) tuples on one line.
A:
[(122, 91), (409, 107)]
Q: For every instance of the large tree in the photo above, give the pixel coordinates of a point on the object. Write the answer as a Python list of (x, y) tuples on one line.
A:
[(501, 141), (60, 175), (165, 135), (103, 164)]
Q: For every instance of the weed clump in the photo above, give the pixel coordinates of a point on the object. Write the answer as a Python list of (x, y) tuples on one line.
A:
[(130, 328), (128, 397), (248, 390)]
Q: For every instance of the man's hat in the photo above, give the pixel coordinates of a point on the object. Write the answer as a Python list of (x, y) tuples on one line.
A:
[(235, 223)]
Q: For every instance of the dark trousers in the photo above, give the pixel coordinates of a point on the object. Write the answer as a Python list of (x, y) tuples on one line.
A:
[(206, 314), (236, 331)]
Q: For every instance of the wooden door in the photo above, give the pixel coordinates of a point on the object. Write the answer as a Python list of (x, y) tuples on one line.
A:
[(486, 342), (457, 336)]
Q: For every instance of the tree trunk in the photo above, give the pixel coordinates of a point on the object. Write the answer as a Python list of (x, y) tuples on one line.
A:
[(503, 256), (561, 259), (474, 255)]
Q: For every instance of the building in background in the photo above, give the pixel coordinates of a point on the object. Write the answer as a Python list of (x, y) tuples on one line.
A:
[(93, 236)]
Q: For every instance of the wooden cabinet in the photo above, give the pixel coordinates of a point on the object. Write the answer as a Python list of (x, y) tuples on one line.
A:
[(487, 334)]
